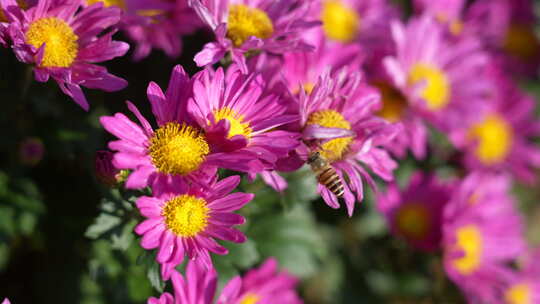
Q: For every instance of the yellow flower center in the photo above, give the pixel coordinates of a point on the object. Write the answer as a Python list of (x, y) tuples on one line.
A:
[(413, 221), (394, 103), (340, 22), (244, 22), (61, 45), (238, 126), (178, 149), (118, 3), (333, 149), (469, 240), (186, 215), (521, 41), (250, 298), (494, 137), (518, 294), (436, 91)]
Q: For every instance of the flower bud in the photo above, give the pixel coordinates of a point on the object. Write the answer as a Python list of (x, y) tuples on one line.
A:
[(31, 151)]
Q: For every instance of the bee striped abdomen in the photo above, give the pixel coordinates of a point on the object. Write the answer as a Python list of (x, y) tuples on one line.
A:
[(329, 178)]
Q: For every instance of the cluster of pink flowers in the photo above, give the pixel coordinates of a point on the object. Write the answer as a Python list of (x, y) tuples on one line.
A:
[(351, 80)]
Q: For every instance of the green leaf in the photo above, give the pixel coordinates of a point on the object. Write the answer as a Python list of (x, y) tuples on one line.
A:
[(123, 240), (154, 276), (103, 223), (292, 237)]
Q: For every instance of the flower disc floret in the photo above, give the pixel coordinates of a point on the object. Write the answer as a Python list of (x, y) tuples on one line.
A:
[(518, 294), (61, 47), (250, 298), (394, 103), (186, 215), (107, 3), (413, 221), (340, 22), (521, 41), (244, 22), (494, 136), (437, 87), (238, 126), (178, 149), (469, 240), (334, 149)]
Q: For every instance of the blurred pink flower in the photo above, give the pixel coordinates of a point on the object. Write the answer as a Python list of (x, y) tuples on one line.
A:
[(415, 213), (158, 24), (523, 287), (340, 110), (62, 41), (501, 138), (482, 232), (444, 83), (305, 68), (184, 220), (263, 285), (242, 25)]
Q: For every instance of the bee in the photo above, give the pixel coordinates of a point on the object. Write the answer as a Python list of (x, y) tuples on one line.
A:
[(326, 175)]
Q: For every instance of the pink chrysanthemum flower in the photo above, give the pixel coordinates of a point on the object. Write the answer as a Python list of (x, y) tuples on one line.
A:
[(443, 82), (155, 24), (524, 287), (6, 301), (198, 286), (62, 42), (263, 285), (415, 213), (239, 118), (178, 148), (482, 232), (185, 220), (242, 25), (507, 28), (395, 109), (305, 68), (348, 21), (163, 30), (343, 106), (501, 138)]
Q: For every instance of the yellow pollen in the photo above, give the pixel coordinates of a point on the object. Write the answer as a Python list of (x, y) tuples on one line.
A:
[(340, 22), (250, 298), (518, 294), (436, 91), (521, 41), (238, 126), (178, 149), (186, 215), (413, 221), (245, 21), (456, 27), (118, 3), (394, 103), (469, 240), (333, 149), (61, 45), (494, 139)]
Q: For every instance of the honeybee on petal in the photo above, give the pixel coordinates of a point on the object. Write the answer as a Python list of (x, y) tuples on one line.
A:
[(325, 173)]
